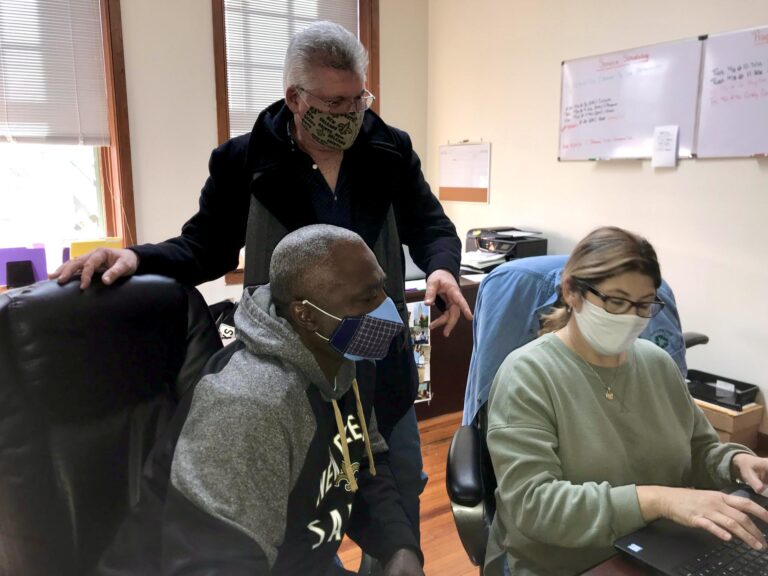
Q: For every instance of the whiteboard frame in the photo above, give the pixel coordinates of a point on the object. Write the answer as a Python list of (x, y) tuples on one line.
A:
[(688, 130)]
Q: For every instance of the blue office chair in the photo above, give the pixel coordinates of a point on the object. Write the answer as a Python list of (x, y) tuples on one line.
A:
[(510, 301)]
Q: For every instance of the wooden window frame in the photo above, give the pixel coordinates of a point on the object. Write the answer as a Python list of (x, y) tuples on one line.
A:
[(369, 36), (115, 160)]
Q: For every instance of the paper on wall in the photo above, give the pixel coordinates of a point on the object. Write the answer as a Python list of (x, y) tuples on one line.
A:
[(664, 147)]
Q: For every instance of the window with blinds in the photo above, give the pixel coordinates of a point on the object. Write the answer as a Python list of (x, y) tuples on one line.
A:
[(52, 81), (257, 34)]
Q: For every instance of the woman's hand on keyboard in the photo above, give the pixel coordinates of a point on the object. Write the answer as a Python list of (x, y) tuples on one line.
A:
[(723, 515)]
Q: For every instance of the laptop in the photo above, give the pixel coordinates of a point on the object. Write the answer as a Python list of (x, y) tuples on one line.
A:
[(675, 550)]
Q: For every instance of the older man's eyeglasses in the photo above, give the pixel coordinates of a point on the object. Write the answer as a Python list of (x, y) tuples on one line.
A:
[(339, 105), (617, 305)]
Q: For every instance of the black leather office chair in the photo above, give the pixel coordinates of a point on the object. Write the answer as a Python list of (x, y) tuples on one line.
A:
[(470, 479), (471, 482), (88, 379)]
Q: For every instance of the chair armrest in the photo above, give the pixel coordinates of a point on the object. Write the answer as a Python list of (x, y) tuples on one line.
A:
[(466, 490), (463, 474), (694, 339)]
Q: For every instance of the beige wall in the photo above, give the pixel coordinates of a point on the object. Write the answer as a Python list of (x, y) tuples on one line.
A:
[(172, 114), (403, 61), (494, 73)]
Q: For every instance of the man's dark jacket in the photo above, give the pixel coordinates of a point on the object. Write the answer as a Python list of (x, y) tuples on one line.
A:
[(257, 193)]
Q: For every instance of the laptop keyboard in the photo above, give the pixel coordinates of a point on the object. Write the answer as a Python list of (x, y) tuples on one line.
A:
[(729, 559)]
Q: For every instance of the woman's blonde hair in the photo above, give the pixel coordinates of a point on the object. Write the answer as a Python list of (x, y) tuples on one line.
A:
[(604, 253)]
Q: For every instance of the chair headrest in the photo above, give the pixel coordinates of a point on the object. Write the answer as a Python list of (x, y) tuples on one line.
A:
[(111, 345)]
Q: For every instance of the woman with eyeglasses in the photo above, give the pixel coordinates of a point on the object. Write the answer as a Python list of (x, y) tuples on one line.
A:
[(592, 432)]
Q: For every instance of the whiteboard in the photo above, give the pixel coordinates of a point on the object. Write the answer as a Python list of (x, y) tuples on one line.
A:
[(734, 95), (610, 104)]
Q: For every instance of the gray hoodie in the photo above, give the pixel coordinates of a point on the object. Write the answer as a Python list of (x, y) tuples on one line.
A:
[(275, 463)]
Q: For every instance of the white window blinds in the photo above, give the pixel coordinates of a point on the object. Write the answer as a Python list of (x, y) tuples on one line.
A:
[(52, 84), (257, 35)]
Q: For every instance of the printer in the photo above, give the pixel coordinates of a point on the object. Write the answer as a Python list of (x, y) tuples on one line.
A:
[(506, 242)]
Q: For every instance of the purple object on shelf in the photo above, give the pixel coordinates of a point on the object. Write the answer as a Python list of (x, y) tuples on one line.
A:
[(65, 254), (35, 255)]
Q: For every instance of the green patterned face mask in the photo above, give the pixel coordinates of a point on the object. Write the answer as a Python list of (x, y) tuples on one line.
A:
[(337, 131)]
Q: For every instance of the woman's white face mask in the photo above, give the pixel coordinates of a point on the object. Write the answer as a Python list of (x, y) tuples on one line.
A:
[(608, 334)]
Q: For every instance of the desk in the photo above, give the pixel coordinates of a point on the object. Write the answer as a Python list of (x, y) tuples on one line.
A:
[(449, 364)]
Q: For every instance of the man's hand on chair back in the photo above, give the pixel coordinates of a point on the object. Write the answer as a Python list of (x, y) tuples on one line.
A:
[(114, 263)]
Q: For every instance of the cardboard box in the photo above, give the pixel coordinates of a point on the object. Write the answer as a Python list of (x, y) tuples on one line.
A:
[(746, 437), (731, 420), (732, 425)]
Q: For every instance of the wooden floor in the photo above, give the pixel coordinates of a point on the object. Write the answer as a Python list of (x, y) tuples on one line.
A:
[(443, 553)]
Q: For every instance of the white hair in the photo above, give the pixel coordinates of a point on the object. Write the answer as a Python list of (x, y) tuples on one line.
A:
[(322, 44), (301, 263)]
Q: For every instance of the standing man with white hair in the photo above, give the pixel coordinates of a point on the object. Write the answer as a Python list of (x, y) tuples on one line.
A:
[(319, 156)]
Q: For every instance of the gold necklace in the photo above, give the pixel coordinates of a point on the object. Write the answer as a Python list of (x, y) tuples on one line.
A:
[(609, 395)]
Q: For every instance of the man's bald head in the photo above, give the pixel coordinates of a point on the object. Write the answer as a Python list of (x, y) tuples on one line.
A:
[(302, 264)]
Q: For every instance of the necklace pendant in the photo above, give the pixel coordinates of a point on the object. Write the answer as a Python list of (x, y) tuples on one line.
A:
[(609, 394)]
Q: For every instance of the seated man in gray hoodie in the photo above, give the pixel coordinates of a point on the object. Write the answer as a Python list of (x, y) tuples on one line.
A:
[(277, 455)]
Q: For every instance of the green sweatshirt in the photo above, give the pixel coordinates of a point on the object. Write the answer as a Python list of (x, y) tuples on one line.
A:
[(567, 459)]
